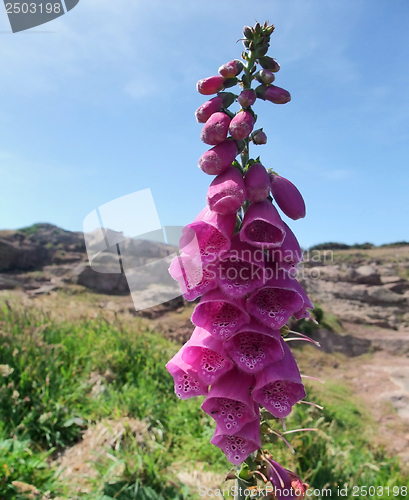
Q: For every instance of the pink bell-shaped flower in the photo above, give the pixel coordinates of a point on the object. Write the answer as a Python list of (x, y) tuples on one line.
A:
[(210, 85), (254, 347), (229, 401), (194, 279), (218, 159), (279, 386), (280, 297), (241, 269), (227, 192), (206, 356), (262, 226), (257, 183), (280, 481), (231, 69), (209, 234), (187, 384), (205, 111), (247, 98), (237, 447), (274, 94), (242, 125), (215, 129), (288, 197), (220, 315), (288, 256)]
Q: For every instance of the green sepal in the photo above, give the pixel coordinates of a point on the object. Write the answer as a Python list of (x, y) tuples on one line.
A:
[(230, 82), (228, 98)]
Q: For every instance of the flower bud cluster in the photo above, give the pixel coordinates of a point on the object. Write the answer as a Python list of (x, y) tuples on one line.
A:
[(240, 257)]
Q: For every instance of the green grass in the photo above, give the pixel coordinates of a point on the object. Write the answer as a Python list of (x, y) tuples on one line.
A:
[(46, 403)]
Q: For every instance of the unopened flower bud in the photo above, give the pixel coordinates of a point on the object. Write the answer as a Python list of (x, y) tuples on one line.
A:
[(257, 183), (247, 98), (248, 32), (208, 108), (265, 76), (259, 137), (231, 69), (215, 129), (274, 94), (269, 63), (242, 125), (262, 51), (227, 192), (288, 197), (210, 85), (218, 159)]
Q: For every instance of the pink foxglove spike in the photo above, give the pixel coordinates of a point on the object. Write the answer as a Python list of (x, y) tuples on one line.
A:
[(220, 314)]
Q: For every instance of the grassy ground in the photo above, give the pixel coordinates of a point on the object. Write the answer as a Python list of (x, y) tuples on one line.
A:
[(48, 370)]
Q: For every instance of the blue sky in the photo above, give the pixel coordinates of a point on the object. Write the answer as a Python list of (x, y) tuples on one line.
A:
[(102, 105)]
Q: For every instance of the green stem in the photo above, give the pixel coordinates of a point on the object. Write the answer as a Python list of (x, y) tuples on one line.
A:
[(240, 489)]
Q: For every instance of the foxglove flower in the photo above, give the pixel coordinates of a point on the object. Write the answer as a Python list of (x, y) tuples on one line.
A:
[(238, 446), (194, 279), (280, 480), (227, 192), (254, 347), (280, 298), (187, 384), (257, 183), (220, 314), (288, 197), (240, 270), (229, 401), (209, 234), (215, 129), (274, 94), (262, 226), (210, 85), (288, 256), (218, 159), (242, 125), (279, 386), (206, 356)]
